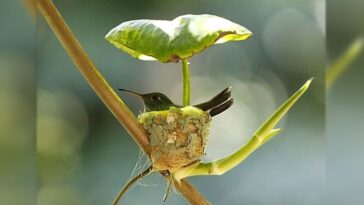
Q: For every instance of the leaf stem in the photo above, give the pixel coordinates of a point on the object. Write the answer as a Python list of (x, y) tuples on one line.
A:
[(98, 83), (186, 83)]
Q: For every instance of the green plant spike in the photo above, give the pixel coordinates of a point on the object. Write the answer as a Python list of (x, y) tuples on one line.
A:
[(343, 62), (265, 132)]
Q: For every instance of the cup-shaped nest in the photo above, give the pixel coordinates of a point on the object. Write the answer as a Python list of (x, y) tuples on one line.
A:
[(177, 136)]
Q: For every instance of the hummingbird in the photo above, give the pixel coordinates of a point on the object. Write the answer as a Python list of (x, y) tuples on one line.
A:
[(156, 101)]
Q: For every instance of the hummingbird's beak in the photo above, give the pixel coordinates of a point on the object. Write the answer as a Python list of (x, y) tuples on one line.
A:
[(132, 92)]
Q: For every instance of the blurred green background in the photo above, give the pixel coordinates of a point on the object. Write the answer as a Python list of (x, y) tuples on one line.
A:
[(17, 105), (344, 107), (84, 156)]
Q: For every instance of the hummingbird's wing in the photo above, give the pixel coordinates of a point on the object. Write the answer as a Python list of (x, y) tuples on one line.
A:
[(215, 101), (221, 108), (217, 104)]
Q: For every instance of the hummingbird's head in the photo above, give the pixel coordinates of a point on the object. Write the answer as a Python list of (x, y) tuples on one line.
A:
[(153, 101)]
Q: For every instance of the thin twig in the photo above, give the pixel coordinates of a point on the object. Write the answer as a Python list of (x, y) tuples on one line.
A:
[(131, 182), (168, 188), (104, 90)]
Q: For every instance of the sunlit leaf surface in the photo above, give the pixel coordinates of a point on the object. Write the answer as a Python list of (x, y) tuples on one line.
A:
[(171, 41)]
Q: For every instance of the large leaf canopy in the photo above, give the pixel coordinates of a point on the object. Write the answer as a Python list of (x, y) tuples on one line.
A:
[(171, 41)]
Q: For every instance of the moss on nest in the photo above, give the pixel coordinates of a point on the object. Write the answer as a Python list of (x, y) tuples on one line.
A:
[(177, 136)]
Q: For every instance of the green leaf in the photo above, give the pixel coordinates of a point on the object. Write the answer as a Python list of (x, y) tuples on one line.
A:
[(264, 133), (171, 41)]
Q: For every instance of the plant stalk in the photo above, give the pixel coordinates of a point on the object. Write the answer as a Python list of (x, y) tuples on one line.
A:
[(91, 73), (30, 5), (264, 133), (186, 83), (101, 87), (187, 189), (343, 63)]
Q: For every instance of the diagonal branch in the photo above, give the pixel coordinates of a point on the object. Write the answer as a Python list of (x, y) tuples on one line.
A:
[(31, 7), (91, 73), (190, 192), (108, 96)]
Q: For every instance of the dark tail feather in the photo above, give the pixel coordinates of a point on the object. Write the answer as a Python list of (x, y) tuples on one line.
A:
[(216, 101), (221, 108)]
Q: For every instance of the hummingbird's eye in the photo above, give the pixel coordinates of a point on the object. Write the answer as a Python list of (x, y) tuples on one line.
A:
[(156, 97)]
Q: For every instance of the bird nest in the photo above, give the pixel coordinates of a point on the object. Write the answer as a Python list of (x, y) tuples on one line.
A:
[(177, 136)]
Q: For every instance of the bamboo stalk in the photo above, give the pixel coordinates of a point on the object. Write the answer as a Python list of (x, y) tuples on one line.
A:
[(108, 96), (91, 73), (190, 192), (30, 5)]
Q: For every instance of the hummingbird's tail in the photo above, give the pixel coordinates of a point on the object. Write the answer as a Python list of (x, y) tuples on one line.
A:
[(219, 103), (221, 108)]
